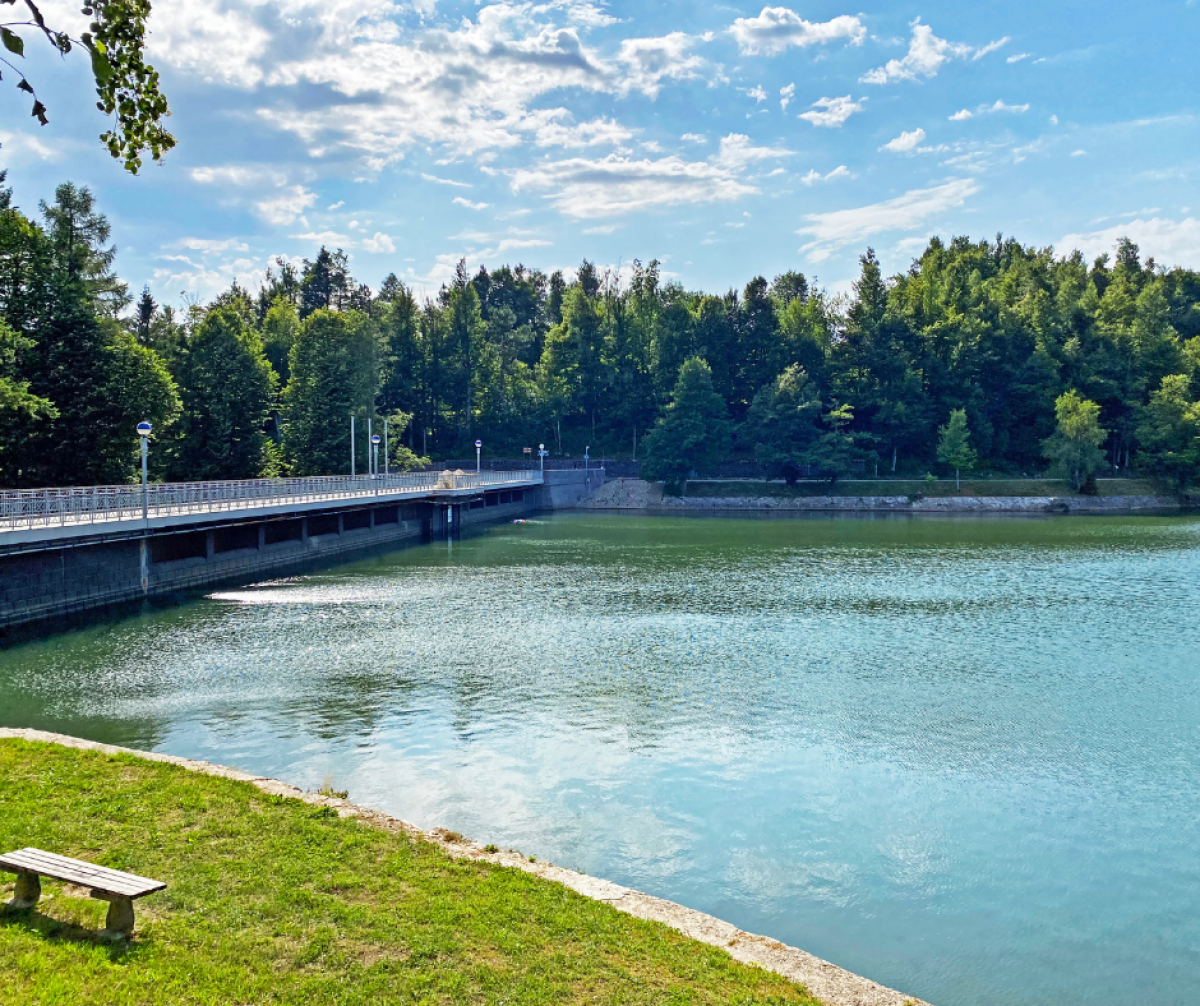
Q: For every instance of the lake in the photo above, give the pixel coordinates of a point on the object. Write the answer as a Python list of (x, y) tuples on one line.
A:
[(960, 756)]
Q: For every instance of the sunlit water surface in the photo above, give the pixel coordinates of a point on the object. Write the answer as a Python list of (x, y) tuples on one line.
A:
[(958, 756)]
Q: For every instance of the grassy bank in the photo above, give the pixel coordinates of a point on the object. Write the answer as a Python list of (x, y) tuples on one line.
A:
[(726, 488), (274, 900)]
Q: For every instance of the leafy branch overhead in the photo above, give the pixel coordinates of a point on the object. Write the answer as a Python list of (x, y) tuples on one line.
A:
[(126, 85)]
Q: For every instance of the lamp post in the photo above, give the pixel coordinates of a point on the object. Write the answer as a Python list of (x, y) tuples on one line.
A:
[(352, 447), (385, 449), (478, 448), (143, 429), (375, 451), (542, 452), (585, 458), (370, 440)]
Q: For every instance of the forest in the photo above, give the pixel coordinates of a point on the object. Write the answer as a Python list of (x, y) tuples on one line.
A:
[(985, 356)]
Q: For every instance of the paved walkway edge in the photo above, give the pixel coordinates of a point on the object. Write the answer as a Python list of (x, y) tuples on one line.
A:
[(832, 985)]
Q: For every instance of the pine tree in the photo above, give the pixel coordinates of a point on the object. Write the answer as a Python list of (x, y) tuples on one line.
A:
[(333, 377), (1074, 447), (693, 433), (783, 424), (954, 444), (227, 388)]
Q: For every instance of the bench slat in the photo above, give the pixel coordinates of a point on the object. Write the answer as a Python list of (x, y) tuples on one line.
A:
[(76, 871)]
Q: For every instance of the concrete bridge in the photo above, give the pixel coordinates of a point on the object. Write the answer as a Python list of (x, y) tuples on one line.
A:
[(70, 550)]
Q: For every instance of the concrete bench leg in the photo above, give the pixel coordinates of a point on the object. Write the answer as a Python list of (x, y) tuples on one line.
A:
[(118, 923), (28, 891)]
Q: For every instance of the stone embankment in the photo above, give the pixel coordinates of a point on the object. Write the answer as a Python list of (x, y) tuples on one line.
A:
[(637, 494), (834, 986)]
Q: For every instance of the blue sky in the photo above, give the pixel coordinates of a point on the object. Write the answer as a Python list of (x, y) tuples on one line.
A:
[(727, 140)]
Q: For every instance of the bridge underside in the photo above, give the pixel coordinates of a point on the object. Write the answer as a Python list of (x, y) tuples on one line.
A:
[(63, 573)]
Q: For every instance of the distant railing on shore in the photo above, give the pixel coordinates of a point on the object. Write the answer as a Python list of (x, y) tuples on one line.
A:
[(30, 508)]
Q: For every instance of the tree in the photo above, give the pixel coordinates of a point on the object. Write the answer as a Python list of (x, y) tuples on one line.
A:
[(126, 85), (333, 377), (1074, 447), (837, 451), (693, 432), (20, 410), (782, 424), (954, 444), (227, 387), (77, 234), (1169, 433), (280, 327), (326, 282)]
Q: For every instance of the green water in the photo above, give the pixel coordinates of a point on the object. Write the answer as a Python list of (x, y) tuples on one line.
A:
[(958, 755)]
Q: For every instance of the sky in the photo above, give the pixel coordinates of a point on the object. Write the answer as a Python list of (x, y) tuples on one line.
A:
[(725, 140)]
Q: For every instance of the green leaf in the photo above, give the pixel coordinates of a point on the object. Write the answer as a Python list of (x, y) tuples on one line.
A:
[(24, 85), (37, 14), (100, 67), (12, 41)]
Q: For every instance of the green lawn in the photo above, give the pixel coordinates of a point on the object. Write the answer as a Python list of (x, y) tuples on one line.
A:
[(272, 900), (725, 488)]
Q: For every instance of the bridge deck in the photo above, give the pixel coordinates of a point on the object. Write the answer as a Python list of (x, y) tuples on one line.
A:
[(31, 515)]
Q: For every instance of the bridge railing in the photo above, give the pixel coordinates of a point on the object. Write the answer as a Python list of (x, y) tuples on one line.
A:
[(30, 508)]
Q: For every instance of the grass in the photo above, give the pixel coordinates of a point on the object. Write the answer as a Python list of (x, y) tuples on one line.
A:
[(272, 900), (726, 488)]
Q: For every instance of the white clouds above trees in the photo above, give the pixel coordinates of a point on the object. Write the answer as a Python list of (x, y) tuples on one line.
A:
[(778, 29)]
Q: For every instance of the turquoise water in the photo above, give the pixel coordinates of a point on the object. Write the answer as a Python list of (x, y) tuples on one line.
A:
[(959, 756)]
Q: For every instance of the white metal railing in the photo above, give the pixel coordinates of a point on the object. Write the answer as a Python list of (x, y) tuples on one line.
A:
[(32, 508)]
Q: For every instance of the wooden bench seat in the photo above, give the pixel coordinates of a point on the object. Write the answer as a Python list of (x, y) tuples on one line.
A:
[(117, 888)]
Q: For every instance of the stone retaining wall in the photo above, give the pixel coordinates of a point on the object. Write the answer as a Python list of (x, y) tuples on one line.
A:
[(636, 494)]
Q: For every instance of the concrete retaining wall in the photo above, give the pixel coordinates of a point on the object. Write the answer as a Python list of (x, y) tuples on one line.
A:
[(636, 494)]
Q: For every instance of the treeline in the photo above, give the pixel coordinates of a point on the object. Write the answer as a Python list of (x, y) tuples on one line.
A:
[(983, 356)]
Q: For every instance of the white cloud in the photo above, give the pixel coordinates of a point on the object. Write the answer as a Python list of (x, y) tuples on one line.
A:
[(346, 77), (24, 146), (693, 138), (757, 93), (926, 55), (1079, 153), (597, 132), (336, 206), (962, 115), (650, 61), (1054, 120), (910, 211), (1170, 242), (777, 29), (441, 181), (832, 112), (287, 206), (786, 94), (379, 244), (905, 141), (212, 246), (1000, 106), (460, 201), (814, 176), (617, 184), (187, 36), (603, 229), (1018, 57), (324, 238)]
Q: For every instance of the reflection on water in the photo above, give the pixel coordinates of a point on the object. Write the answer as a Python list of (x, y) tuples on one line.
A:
[(959, 756)]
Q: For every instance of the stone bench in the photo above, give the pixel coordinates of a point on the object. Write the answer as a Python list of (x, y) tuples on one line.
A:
[(117, 888)]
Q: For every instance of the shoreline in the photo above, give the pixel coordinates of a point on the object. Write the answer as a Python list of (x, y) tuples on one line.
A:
[(638, 494), (831, 984)]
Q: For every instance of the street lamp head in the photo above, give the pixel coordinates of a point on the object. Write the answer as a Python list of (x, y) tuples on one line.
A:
[(143, 429), (478, 443), (541, 447), (376, 439)]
